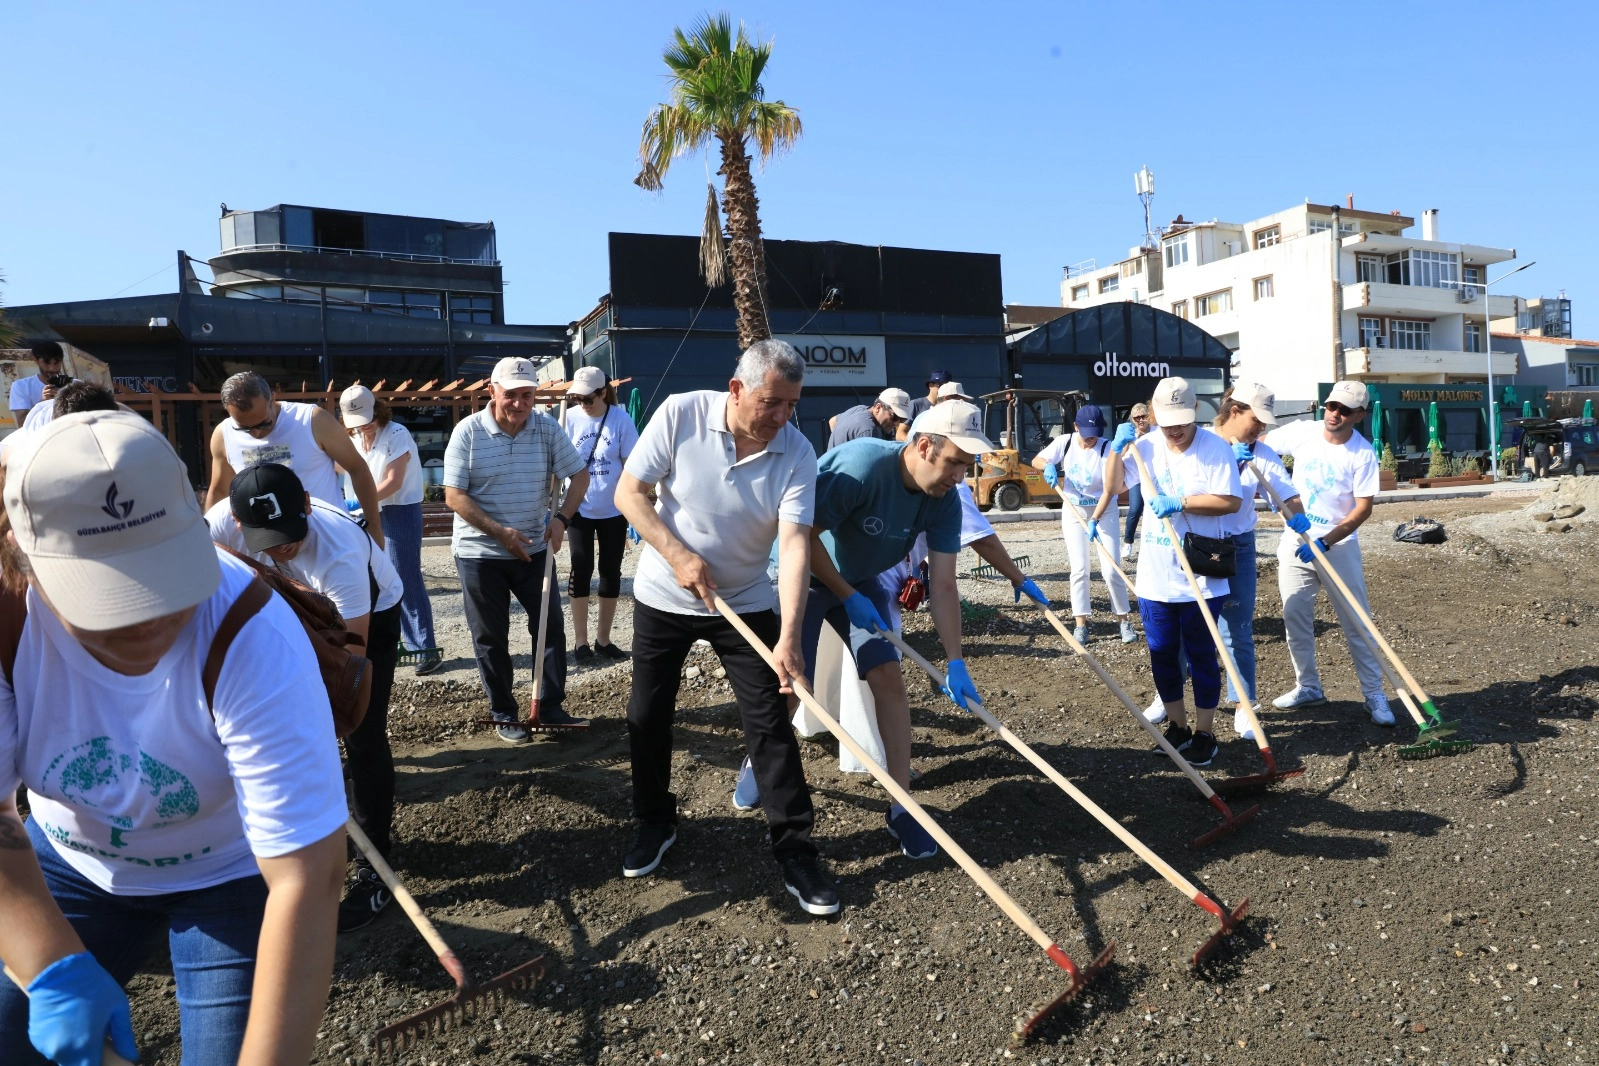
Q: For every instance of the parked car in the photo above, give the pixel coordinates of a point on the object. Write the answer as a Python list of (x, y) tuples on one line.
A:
[(1573, 443)]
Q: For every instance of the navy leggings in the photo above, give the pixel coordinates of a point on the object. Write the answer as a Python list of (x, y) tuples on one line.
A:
[(1172, 629)]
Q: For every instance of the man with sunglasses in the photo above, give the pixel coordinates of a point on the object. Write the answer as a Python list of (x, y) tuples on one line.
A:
[(881, 419), (300, 436), (1336, 473)]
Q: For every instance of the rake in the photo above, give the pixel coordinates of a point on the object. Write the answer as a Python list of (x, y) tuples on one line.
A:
[(1232, 786), (415, 656), (1229, 921), (1434, 732), (108, 1055), (1080, 977), (470, 1000), (1067, 504)]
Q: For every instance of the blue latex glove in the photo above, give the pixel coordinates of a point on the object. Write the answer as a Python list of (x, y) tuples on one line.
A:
[(352, 505), (74, 1007), (1303, 551), (1126, 433), (1299, 523), (1033, 592), (862, 615), (1051, 476), (1093, 529), (632, 535), (1244, 453), (1166, 505), (958, 685)]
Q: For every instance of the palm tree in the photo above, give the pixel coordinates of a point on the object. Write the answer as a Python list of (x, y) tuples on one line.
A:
[(716, 92), (8, 332)]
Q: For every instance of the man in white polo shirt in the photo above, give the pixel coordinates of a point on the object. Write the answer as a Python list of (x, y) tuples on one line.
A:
[(497, 471), (732, 474)]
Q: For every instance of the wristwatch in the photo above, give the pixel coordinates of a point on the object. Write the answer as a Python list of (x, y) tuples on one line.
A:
[(566, 523)]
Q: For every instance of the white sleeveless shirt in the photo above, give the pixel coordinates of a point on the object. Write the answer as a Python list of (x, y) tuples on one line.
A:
[(292, 444)]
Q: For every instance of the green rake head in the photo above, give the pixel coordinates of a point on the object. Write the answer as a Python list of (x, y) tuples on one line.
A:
[(1435, 728), (1433, 748)]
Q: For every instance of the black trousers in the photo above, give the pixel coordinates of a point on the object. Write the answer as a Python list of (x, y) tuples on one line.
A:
[(661, 643), (487, 586), (580, 538), (368, 763)]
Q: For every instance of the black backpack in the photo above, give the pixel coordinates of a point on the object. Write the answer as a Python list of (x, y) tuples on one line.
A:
[(1420, 530)]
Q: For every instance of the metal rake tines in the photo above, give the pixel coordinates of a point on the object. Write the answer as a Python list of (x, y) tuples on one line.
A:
[(987, 572), (1436, 748)]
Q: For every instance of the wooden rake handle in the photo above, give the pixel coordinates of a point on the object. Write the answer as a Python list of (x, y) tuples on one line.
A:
[(1026, 751), (447, 957), (1068, 504), (1349, 597), (108, 1057), (544, 593), (1246, 704), (1012, 909)]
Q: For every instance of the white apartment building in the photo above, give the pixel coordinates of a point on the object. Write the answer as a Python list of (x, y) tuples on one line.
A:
[(1403, 309)]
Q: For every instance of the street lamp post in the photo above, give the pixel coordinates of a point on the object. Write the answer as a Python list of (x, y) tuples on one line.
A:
[(1488, 346)]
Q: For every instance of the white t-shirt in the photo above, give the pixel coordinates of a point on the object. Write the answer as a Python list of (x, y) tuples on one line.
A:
[(26, 392), (723, 509), (604, 443), (1330, 477), (1083, 477), (1245, 519), (292, 443), (1207, 466), (136, 784), (391, 442), (333, 559), (974, 527)]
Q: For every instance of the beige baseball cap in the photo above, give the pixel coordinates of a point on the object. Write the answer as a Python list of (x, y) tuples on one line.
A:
[(587, 381), (357, 406), (1173, 403), (103, 509), (952, 390), (514, 373), (1350, 394), (898, 401), (1259, 398), (958, 420)]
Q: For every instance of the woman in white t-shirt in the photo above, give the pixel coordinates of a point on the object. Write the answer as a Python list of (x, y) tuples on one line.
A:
[(170, 723), (390, 453), (1074, 465), (1195, 483), (604, 436)]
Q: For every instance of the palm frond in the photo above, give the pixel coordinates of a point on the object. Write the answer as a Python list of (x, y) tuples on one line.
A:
[(9, 336), (774, 126), (713, 251), (669, 131)]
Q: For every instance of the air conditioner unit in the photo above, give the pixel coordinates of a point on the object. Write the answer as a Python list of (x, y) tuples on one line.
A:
[(1468, 293)]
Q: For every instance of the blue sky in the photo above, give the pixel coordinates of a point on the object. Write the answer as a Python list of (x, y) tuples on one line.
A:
[(998, 127)]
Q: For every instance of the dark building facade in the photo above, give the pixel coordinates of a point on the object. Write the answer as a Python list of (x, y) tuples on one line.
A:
[(865, 317)]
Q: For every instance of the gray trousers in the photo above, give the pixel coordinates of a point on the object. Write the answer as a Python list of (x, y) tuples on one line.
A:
[(1298, 582)]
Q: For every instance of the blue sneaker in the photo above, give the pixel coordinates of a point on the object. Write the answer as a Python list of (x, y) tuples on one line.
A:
[(746, 794), (914, 841)]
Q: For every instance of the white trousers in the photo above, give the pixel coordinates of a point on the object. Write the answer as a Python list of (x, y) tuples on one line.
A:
[(1298, 582), (1085, 556)]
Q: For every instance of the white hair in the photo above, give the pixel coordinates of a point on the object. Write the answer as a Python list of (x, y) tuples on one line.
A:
[(767, 357)]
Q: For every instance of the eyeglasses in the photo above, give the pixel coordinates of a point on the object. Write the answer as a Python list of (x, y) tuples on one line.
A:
[(1339, 409), (584, 400), (259, 427)]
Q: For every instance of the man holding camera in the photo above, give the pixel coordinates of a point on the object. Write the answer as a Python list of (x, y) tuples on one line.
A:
[(28, 393)]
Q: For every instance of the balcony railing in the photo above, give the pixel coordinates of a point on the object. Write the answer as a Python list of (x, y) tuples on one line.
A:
[(410, 256)]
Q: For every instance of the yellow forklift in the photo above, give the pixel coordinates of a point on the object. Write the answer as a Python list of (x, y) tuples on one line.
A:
[(1024, 421)]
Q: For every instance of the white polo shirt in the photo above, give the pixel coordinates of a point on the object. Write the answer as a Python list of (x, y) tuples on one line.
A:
[(724, 510)]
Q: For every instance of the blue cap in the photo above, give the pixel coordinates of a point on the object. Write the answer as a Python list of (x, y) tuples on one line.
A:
[(1090, 418), (938, 377)]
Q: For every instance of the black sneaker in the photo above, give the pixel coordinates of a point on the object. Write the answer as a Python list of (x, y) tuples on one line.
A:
[(364, 901), (1201, 751), (653, 840), (557, 716), (807, 881), (1178, 736), (582, 653), (430, 664), (610, 651)]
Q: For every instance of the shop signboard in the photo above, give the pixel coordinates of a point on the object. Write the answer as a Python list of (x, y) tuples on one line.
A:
[(848, 361)]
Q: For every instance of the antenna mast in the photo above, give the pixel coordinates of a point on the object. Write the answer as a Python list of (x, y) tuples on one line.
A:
[(1144, 185)]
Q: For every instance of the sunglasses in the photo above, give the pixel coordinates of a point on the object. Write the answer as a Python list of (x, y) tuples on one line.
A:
[(260, 427), (585, 400), (1339, 409)]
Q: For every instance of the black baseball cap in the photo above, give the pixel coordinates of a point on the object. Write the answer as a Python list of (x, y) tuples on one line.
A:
[(269, 503), (938, 377)]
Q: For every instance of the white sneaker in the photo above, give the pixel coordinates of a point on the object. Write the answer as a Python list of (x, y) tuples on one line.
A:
[(1381, 713), (1080, 634), (1126, 552), (1156, 712), (1129, 634), (1241, 725), (1299, 696)]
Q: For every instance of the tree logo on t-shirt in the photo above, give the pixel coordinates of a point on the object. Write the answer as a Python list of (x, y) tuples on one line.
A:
[(99, 775)]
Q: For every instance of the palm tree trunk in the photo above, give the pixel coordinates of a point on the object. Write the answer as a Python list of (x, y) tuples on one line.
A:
[(745, 248)]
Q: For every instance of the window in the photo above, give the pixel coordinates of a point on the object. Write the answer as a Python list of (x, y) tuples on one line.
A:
[(1133, 267), (1265, 238), (1346, 229), (1586, 373), (1318, 225), (1472, 275), (1371, 333), (1368, 268), (1473, 336), (1411, 336), (1176, 250), (1180, 308), (1437, 270), (1213, 304), (472, 308), (1263, 288), (1079, 292), (1109, 284)]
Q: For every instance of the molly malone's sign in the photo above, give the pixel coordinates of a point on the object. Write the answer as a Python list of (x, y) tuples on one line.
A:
[(1440, 395), (836, 360)]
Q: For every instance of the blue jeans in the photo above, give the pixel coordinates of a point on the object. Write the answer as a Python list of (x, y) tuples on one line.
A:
[(1237, 618), (402, 536), (1177, 631), (1135, 508), (212, 933)]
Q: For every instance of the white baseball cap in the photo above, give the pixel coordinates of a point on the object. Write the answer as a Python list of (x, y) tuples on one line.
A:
[(358, 406), (896, 400), (953, 390), (587, 381), (514, 373), (103, 509), (958, 420), (1173, 403), (1350, 394), (1259, 398)]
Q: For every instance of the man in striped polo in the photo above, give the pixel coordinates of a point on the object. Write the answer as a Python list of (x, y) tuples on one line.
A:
[(497, 472)]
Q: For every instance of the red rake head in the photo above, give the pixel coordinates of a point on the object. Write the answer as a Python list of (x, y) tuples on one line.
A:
[(1229, 923), (1081, 979), (1230, 822), (468, 1002)]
